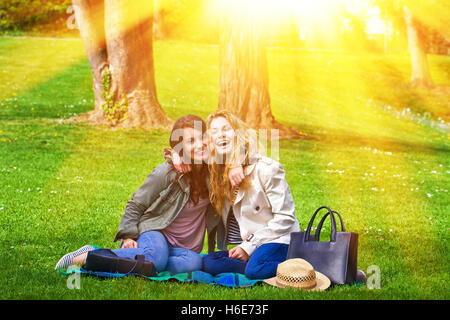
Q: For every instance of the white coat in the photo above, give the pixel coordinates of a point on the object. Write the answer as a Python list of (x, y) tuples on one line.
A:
[(264, 210)]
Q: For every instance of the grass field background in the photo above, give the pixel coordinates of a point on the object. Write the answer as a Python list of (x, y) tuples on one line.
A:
[(376, 150)]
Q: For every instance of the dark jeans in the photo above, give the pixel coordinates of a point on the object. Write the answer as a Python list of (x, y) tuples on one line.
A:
[(261, 265)]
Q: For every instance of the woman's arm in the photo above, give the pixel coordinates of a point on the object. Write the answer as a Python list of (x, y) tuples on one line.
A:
[(177, 162), (155, 182)]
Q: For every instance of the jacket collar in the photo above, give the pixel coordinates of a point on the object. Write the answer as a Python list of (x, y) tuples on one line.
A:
[(181, 179), (182, 182), (252, 160)]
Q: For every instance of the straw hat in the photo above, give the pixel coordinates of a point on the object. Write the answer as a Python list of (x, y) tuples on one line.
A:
[(299, 274)]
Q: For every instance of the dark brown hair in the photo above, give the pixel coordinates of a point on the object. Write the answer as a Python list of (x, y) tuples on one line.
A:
[(196, 178)]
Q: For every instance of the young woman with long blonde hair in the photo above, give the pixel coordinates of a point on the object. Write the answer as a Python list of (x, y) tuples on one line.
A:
[(262, 205)]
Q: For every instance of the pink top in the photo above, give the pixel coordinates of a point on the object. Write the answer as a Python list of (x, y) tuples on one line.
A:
[(188, 228)]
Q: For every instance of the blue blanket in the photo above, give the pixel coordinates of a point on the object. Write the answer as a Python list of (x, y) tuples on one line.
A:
[(231, 280)]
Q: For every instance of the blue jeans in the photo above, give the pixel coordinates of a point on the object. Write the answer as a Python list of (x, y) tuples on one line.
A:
[(154, 246), (261, 265)]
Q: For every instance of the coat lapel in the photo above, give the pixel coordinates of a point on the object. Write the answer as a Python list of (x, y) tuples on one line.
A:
[(239, 196), (247, 172)]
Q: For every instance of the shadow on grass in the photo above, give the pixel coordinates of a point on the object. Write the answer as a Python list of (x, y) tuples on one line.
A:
[(343, 137), (64, 95), (396, 91)]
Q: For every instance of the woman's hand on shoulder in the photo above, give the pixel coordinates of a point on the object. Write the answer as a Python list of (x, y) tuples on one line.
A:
[(236, 176), (178, 163)]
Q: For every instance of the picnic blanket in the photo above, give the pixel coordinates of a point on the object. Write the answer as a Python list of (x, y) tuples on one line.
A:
[(231, 280)]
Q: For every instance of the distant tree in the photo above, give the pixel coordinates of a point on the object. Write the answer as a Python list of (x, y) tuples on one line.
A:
[(420, 70), (421, 18)]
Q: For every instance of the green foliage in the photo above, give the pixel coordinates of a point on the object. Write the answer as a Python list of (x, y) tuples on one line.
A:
[(189, 20), (115, 111), (32, 15), (429, 20)]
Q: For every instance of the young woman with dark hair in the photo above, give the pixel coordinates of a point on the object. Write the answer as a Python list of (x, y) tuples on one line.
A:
[(167, 216)]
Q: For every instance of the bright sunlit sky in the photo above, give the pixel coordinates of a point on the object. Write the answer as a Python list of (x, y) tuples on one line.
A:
[(309, 13)]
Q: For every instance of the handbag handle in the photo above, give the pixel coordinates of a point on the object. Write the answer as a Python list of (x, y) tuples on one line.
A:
[(308, 236), (319, 227)]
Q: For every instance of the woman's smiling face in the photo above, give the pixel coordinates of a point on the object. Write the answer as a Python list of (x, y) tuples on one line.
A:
[(194, 146), (222, 136)]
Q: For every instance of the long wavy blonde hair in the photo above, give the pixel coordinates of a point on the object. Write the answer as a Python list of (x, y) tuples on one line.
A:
[(221, 190)]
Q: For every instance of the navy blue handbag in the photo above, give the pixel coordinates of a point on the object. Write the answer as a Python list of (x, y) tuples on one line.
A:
[(337, 258)]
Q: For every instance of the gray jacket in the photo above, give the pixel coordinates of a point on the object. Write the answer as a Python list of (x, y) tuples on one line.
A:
[(158, 202)]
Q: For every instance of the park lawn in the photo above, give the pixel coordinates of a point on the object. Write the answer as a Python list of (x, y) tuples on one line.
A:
[(66, 184)]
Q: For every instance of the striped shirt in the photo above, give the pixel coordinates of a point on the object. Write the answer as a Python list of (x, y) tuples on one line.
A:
[(233, 231)]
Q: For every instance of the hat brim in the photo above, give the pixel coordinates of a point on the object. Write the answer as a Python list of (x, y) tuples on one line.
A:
[(322, 283)]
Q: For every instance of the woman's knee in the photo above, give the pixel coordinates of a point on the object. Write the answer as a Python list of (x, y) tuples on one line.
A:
[(264, 261), (182, 261), (155, 249), (159, 260), (263, 270), (152, 238), (196, 262)]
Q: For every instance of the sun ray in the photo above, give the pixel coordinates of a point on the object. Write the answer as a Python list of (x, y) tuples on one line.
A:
[(39, 63)]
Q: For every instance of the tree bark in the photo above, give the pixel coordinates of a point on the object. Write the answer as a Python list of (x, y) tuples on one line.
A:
[(158, 29), (89, 15), (420, 72), (244, 79), (128, 26), (118, 36)]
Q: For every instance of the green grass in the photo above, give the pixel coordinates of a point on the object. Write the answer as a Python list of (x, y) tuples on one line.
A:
[(65, 185)]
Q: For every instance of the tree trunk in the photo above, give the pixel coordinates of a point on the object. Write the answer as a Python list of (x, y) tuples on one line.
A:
[(420, 72), (117, 35), (244, 79), (128, 26), (158, 30), (89, 15)]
